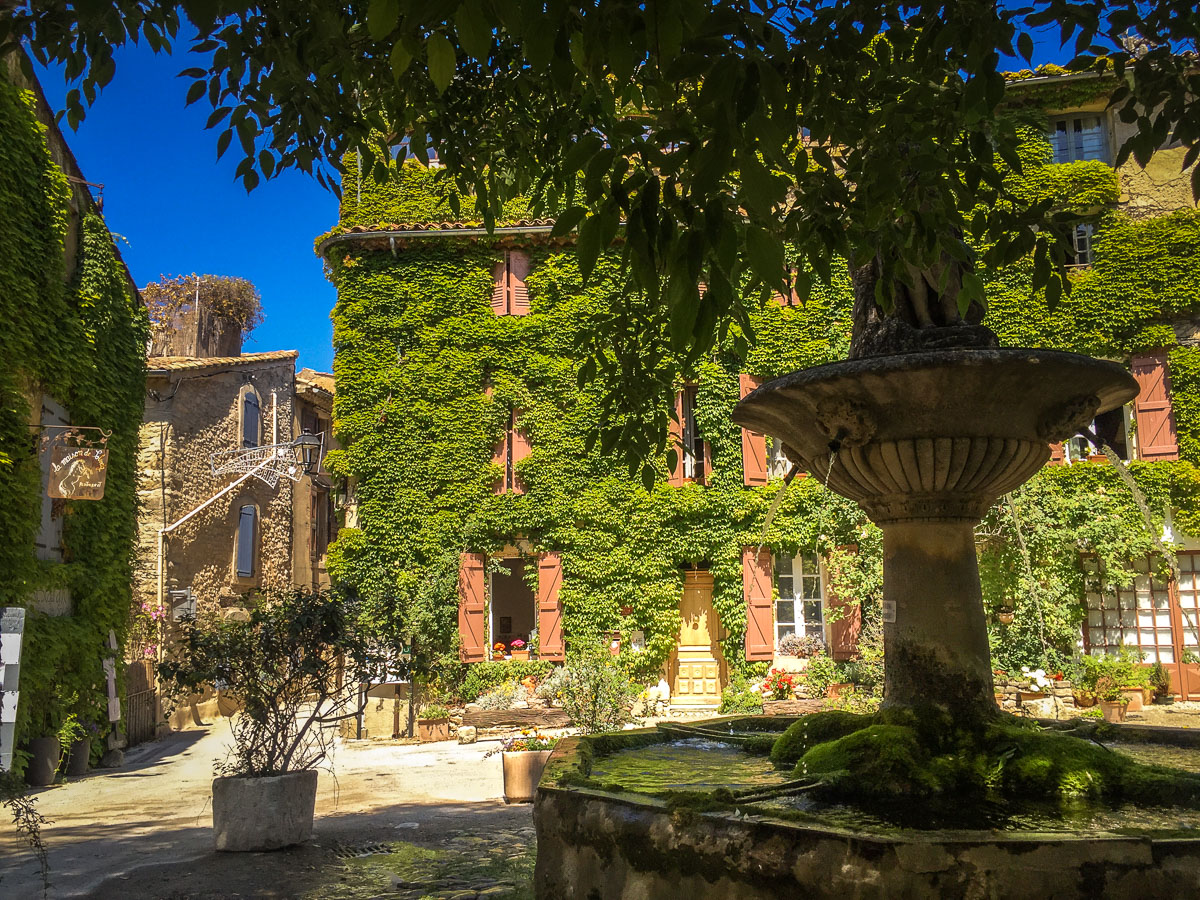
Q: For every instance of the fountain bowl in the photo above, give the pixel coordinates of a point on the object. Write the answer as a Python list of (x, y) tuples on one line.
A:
[(937, 434), (603, 842)]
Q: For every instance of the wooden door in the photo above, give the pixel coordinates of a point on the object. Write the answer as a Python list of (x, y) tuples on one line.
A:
[(699, 668)]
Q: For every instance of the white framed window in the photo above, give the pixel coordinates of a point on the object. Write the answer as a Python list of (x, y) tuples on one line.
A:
[(1081, 245), (800, 607), (693, 442), (1079, 137)]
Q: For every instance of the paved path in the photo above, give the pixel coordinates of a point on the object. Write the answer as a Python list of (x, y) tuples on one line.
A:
[(145, 830)]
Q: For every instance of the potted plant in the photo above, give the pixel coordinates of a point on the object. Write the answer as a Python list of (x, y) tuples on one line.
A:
[(45, 751), (839, 689), (498, 650), (296, 663), (1160, 680), (518, 649), (778, 687), (1113, 702), (434, 723), (74, 737), (524, 758), (1004, 615)]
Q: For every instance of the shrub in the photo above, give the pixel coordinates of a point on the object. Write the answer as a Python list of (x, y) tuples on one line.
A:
[(434, 711), (737, 698), (553, 686), (822, 671), (484, 676), (295, 665), (597, 696), (503, 696)]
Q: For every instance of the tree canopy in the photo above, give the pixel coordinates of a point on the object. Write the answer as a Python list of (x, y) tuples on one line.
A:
[(725, 143)]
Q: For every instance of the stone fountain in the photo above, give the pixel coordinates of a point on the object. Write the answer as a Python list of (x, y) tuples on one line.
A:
[(925, 441)]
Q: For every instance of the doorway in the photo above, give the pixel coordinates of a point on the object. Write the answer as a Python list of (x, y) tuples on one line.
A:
[(514, 609), (699, 670)]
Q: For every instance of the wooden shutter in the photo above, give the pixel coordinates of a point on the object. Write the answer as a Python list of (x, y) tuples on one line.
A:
[(518, 293), (754, 445), (550, 636), (500, 286), (247, 517), (472, 607), (760, 613), (500, 452), (675, 440), (843, 634), (521, 447), (1156, 438), (1057, 457)]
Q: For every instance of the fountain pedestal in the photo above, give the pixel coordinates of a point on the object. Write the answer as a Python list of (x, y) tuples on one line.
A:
[(925, 443)]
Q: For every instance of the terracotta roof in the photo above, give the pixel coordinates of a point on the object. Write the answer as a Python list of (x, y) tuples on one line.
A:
[(443, 226), (182, 363), (322, 381)]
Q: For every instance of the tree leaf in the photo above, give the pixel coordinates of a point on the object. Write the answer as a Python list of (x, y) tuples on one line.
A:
[(381, 18), (473, 29), (765, 253), (196, 91), (439, 53), (400, 59)]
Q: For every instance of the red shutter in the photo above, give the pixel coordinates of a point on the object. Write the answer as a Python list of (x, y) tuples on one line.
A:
[(843, 634), (707, 464), (550, 636), (1156, 438), (754, 445), (760, 614), (500, 287), (675, 441), (472, 605), (520, 450), (518, 293), (500, 453), (1056, 454)]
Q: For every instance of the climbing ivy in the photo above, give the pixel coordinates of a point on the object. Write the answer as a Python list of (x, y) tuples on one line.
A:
[(81, 341), (427, 372)]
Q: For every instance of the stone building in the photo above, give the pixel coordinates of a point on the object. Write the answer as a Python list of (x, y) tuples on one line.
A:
[(256, 536), (465, 419)]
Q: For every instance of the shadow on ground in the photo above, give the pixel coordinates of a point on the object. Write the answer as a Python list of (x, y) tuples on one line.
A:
[(405, 851)]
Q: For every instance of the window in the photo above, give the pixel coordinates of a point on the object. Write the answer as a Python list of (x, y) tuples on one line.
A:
[(1111, 428), (1081, 245), (514, 447), (247, 520), (693, 443), (800, 607), (1138, 615), (510, 296), (250, 419), (1079, 137)]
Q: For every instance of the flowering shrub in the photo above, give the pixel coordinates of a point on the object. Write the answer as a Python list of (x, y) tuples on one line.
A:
[(800, 645), (780, 685), (517, 644)]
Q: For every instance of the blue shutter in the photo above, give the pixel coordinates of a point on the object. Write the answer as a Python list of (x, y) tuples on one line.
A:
[(245, 542), (250, 420)]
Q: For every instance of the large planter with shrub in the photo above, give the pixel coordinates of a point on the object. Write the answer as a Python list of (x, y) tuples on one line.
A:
[(264, 813), (80, 756), (44, 757), (522, 772)]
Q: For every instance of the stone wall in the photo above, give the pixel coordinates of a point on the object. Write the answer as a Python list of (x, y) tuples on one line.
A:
[(1012, 695), (190, 414)]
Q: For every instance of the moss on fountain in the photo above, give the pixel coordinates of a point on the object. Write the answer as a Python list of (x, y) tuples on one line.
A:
[(918, 754)]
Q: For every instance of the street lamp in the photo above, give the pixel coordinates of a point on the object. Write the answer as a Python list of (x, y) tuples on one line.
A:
[(309, 446)]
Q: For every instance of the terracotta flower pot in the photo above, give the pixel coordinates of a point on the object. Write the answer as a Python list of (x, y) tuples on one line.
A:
[(522, 772), (1134, 696), (838, 689), (1084, 699), (519, 654), (1004, 618), (433, 729), (1113, 710)]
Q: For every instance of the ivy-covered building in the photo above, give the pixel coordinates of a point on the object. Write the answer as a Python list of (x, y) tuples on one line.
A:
[(72, 376), (481, 518)]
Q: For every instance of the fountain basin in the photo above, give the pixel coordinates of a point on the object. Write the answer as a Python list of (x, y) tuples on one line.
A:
[(594, 841)]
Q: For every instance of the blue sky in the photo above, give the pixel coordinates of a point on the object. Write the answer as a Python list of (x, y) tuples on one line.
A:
[(181, 211)]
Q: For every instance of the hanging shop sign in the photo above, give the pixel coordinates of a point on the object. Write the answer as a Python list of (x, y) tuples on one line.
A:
[(78, 473)]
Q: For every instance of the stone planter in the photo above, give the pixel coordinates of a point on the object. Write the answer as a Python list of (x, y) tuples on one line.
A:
[(81, 753), (522, 772), (1084, 699), (1114, 710), (433, 729), (1026, 696), (1134, 696), (44, 756), (838, 689), (264, 813)]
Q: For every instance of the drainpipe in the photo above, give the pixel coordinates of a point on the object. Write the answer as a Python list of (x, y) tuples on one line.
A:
[(274, 418)]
